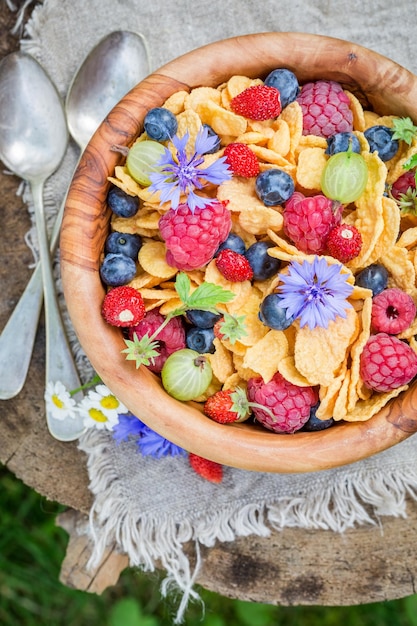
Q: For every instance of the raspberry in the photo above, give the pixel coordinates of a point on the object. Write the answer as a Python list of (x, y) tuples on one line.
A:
[(192, 239), (308, 221), (325, 108), (210, 470), (393, 311), (344, 242), (387, 363), (170, 339), (234, 266), (241, 160), (123, 306), (258, 102), (290, 405)]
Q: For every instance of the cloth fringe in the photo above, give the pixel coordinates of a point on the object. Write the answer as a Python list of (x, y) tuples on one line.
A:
[(148, 539)]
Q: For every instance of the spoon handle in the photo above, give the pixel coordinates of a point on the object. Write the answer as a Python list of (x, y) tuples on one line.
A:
[(18, 336), (60, 364)]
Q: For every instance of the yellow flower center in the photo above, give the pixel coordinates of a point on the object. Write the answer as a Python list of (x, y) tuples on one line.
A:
[(57, 401), (97, 415), (109, 402)]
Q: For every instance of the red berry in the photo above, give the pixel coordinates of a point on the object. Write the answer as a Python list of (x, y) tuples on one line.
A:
[(170, 339), (288, 405), (393, 311), (217, 329), (233, 266), (344, 242), (325, 108), (241, 160), (123, 306), (228, 406), (210, 470), (405, 182), (258, 102), (191, 238), (308, 221), (387, 363)]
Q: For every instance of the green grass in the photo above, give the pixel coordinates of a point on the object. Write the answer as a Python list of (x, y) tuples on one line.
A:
[(32, 548)]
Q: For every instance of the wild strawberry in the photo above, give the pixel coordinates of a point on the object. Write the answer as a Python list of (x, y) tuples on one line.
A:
[(123, 306), (393, 311), (170, 339), (387, 363), (308, 221), (344, 242), (228, 406), (233, 266), (258, 102), (210, 470), (404, 192), (280, 405), (241, 160), (325, 108), (191, 238)]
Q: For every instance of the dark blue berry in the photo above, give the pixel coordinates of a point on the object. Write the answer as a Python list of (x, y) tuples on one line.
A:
[(374, 277), (340, 142), (123, 243), (263, 265), (274, 187), (287, 84), (233, 242), (160, 124), (200, 339), (272, 314), (212, 133), (117, 269), (202, 319), (121, 203), (314, 423), (380, 139)]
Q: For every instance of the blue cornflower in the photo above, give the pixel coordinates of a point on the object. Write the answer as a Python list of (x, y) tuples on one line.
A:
[(128, 426), (182, 174), (152, 444), (315, 292)]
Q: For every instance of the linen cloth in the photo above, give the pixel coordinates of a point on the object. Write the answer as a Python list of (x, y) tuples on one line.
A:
[(149, 507)]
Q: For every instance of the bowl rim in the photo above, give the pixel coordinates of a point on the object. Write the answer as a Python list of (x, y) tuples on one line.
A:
[(85, 226)]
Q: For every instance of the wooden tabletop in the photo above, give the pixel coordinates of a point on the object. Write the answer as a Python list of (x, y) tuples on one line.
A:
[(290, 567)]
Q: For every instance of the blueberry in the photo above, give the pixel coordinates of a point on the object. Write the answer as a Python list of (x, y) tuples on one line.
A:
[(380, 139), (272, 314), (123, 243), (314, 423), (263, 265), (212, 133), (339, 142), (374, 277), (121, 203), (117, 269), (287, 84), (160, 124), (202, 319), (274, 187), (200, 339), (233, 242)]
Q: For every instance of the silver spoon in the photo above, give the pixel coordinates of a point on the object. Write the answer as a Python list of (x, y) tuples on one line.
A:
[(33, 140), (111, 69)]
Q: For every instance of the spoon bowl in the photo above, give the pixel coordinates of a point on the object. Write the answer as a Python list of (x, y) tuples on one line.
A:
[(110, 70)]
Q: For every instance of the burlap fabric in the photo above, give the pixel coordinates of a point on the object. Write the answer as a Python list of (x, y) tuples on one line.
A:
[(151, 507)]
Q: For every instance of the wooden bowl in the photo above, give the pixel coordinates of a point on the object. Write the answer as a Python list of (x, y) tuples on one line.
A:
[(388, 88)]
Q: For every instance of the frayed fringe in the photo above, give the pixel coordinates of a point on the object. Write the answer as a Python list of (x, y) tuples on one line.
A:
[(148, 538), (20, 15)]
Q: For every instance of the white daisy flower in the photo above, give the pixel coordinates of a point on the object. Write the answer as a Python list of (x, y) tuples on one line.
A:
[(97, 416), (59, 402), (107, 399)]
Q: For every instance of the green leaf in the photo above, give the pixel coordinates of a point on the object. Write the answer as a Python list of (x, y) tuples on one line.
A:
[(207, 296), (404, 129), (183, 286), (410, 163), (126, 611), (410, 605)]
